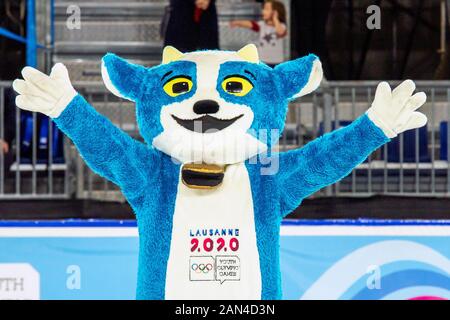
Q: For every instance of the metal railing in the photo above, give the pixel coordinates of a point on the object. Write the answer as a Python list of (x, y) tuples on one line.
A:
[(32, 174), (414, 164)]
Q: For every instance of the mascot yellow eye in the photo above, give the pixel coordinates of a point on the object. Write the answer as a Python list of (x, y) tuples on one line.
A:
[(177, 86), (237, 86)]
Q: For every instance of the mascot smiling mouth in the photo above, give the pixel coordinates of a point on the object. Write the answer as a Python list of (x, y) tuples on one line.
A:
[(206, 123)]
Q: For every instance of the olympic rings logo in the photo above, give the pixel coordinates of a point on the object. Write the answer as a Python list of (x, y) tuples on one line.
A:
[(199, 268)]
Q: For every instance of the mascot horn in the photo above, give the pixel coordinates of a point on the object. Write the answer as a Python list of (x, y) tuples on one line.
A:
[(208, 194)]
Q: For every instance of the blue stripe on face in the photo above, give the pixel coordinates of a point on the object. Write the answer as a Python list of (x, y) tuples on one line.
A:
[(154, 97), (265, 100)]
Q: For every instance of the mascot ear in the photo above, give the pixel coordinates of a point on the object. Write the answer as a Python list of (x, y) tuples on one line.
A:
[(249, 53), (170, 54), (299, 77), (122, 78)]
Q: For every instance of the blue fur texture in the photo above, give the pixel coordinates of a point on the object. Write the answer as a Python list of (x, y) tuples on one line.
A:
[(144, 85), (292, 76), (272, 90), (149, 178), (302, 172), (325, 161)]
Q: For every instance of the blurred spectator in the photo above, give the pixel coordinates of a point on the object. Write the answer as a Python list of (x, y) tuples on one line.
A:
[(309, 19), (192, 25), (4, 146), (271, 29), (12, 18), (9, 127)]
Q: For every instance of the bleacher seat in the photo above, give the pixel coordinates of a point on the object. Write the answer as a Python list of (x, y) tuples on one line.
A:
[(443, 127), (393, 151), (26, 151), (409, 147)]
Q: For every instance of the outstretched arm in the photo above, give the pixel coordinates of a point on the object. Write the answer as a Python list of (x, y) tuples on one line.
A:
[(248, 24), (334, 155), (107, 150)]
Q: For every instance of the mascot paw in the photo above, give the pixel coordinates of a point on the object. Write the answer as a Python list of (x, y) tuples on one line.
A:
[(394, 111), (49, 95)]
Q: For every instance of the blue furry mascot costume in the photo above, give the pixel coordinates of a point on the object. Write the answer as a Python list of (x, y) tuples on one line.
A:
[(208, 195)]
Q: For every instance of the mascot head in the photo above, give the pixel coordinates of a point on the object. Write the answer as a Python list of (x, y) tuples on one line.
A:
[(214, 107)]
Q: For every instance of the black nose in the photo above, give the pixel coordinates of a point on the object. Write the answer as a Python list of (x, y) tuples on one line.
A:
[(206, 106)]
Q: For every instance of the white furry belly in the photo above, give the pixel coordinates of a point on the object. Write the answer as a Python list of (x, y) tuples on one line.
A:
[(213, 251)]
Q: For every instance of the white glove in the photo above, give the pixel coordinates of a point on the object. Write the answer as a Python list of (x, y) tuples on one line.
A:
[(395, 111), (49, 95)]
